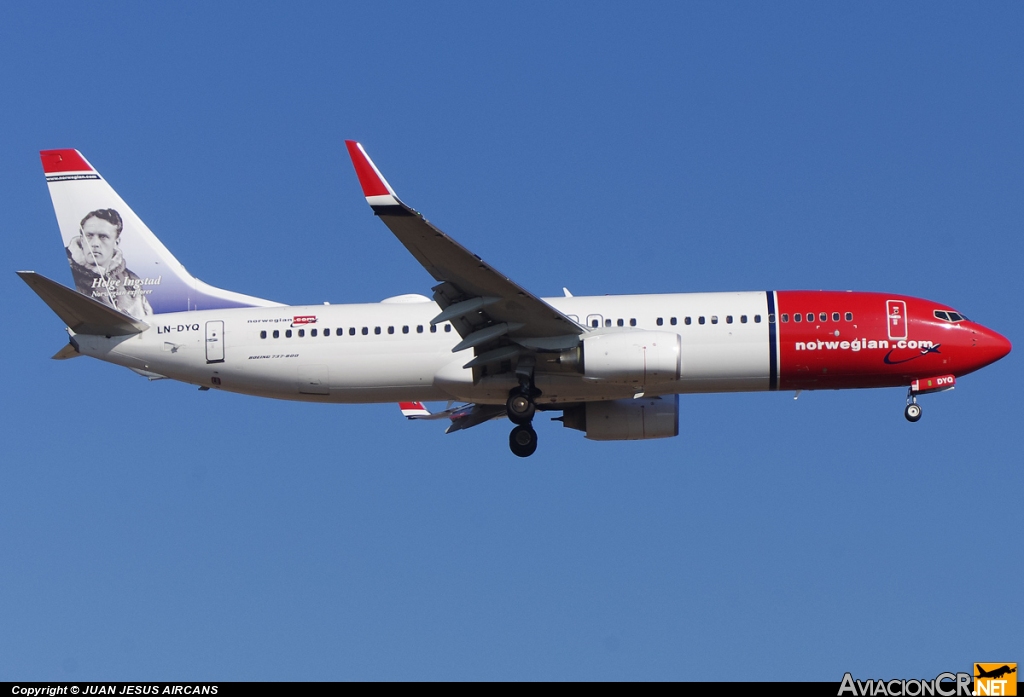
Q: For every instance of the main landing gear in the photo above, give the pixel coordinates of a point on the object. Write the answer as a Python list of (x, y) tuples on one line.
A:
[(523, 440), (521, 409), (913, 410)]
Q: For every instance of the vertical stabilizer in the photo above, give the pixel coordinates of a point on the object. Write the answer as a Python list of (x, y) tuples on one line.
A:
[(114, 257)]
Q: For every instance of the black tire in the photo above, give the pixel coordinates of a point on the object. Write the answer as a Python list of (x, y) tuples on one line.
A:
[(913, 413), (523, 441), (520, 408)]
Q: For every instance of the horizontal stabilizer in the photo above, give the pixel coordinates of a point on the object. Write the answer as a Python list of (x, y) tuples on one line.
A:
[(80, 313), (69, 351)]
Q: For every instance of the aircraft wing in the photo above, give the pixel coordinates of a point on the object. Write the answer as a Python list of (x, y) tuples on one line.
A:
[(494, 315)]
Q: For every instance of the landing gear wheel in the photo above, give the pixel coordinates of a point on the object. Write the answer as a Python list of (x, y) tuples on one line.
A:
[(520, 408), (523, 441), (913, 413)]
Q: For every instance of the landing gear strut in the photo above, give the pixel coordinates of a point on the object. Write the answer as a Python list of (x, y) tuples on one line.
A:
[(913, 410)]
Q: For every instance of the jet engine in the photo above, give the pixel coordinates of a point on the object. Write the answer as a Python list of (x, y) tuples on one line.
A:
[(633, 357), (626, 419)]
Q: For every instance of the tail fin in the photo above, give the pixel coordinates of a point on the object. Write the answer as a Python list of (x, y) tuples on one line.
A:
[(114, 257)]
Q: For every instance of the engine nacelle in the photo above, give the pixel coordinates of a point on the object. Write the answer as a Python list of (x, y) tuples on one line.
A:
[(626, 419), (640, 357)]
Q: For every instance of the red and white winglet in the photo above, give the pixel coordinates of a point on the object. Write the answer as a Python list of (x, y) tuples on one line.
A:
[(375, 187), (413, 410)]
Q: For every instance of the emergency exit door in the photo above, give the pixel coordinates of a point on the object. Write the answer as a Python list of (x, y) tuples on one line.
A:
[(215, 341)]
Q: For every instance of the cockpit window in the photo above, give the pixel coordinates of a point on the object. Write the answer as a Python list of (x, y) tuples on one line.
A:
[(941, 315), (949, 316)]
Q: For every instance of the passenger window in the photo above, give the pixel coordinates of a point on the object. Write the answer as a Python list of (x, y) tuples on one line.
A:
[(312, 332), (743, 319), (288, 334), (405, 329), (391, 330), (433, 329), (810, 316), (700, 320), (302, 332), (714, 319), (835, 316), (366, 330), (607, 323), (594, 323), (771, 318), (621, 323), (263, 334), (659, 321), (687, 321), (728, 319), (351, 331), (823, 317), (785, 316), (757, 319), (419, 328), (327, 332), (672, 321), (277, 334), (447, 327), (798, 317), (376, 330), (849, 316), (632, 322)]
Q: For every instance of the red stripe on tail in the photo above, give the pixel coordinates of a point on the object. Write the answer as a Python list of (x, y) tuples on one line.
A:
[(63, 161)]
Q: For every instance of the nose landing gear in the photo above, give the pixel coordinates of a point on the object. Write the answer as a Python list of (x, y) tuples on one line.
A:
[(913, 410), (920, 386)]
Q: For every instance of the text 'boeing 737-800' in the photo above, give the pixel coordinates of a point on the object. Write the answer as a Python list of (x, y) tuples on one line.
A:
[(614, 366)]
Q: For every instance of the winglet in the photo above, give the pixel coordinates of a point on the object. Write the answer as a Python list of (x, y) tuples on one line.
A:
[(412, 410), (375, 187)]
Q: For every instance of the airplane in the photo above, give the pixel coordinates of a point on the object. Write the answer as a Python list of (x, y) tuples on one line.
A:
[(613, 366), (995, 673)]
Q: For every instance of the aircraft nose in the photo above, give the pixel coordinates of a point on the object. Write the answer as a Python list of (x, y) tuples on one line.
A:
[(990, 346)]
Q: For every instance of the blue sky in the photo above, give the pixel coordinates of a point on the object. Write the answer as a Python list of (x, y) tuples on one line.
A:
[(149, 531)]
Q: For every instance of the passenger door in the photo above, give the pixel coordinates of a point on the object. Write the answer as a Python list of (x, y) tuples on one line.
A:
[(215, 341)]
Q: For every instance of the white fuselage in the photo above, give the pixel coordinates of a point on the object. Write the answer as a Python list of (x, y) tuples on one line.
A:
[(387, 352)]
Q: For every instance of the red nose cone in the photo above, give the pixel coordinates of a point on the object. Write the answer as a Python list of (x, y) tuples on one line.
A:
[(990, 346)]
